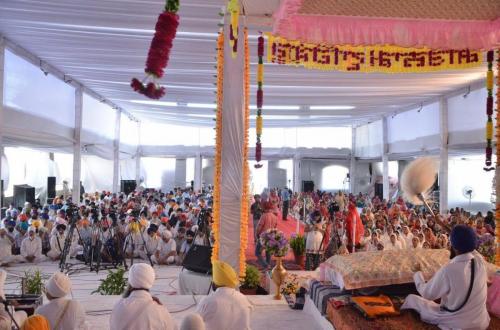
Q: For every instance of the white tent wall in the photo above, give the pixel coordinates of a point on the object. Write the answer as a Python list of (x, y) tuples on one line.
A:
[(481, 182), (314, 170), (416, 130), (38, 108), (129, 136), (97, 173), (369, 140), (160, 172), (98, 127), (467, 120)]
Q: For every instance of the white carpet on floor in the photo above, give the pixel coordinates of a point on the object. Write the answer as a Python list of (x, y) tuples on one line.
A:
[(267, 314)]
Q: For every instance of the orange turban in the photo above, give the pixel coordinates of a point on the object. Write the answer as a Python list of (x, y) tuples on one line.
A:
[(36, 322)]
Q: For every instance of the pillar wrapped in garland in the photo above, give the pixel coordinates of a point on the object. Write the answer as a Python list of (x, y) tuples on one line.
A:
[(497, 172), (231, 202)]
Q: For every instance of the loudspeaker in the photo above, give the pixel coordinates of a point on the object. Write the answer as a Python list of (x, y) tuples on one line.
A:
[(307, 186), (23, 193), (379, 190), (198, 259), (51, 187), (128, 186)]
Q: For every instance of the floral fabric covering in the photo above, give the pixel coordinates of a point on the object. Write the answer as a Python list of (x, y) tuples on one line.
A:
[(379, 268)]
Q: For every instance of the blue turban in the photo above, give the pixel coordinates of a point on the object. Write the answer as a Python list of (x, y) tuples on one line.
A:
[(10, 222), (24, 225), (463, 238)]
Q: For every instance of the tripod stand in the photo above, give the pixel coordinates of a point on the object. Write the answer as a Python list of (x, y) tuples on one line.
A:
[(111, 248), (73, 214)]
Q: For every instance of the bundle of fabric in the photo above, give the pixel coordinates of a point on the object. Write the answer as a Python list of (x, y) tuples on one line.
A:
[(321, 292)]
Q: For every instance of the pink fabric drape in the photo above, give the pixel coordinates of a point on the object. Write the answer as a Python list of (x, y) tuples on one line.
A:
[(347, 30)]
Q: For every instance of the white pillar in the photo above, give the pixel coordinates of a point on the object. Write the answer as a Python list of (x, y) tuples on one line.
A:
[(138, 157), (2, 56), (443, 155), (180, 173), (352, 167), (232, 149), (116, 153), (77, 145), (296, 174), (385, 160), (198, 160)]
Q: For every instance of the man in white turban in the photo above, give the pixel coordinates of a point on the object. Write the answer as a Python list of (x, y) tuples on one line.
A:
[(193, 321), (31, 247), (166, 251), (138, 309), (5, 318), (62, 313), (226, 308)]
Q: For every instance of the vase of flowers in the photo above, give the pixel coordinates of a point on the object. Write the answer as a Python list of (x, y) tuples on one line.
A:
[(298, 245), (276, 244)]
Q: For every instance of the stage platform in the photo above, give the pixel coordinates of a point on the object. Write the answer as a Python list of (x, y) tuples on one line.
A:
[(268, 313)]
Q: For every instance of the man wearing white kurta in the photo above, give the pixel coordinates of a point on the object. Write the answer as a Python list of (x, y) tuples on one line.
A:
[(226, 308), (57, 242), (6, 243), (138, 309), (31, 247), (60, 312), (451, 284)]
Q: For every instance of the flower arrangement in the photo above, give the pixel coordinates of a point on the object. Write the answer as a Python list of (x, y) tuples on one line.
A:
[(260, 100), (275, 242), (489, 110), (298, 244), (159, 52), (291, 285), (486, 246), (233, 7)]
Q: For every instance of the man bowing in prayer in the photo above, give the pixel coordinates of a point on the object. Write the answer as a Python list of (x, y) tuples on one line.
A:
[(138, 309), (60, 312), (461, 286), (226, 308)]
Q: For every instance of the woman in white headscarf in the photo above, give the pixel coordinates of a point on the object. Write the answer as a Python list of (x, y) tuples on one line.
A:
[(5, 318), (138, 309), (62, 313)]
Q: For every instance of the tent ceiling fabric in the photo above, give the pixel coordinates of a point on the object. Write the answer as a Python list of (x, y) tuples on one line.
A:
[(104, 43), (420, 9)]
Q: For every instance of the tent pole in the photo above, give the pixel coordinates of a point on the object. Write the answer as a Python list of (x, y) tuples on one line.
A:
[(385, 160), (116, 153), (443, 155), (77, 145)]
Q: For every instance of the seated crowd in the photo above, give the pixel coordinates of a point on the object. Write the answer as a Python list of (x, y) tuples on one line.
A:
[(145, 224), (331, 226)]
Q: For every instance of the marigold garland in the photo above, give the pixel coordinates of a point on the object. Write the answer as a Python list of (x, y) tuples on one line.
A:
[(497, 175), (159, 52), (260, 101), (376, 58), (218, 146), (233, 7), (244, 211), (489, 110)]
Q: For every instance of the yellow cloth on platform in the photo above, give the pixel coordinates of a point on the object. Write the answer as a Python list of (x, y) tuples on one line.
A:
[(36, 322), (224, 275)]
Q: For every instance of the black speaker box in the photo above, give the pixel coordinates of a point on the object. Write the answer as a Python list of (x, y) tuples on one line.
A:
[(23, 193), (51, 187), (198, 259), (379, 190), (127, 186), (307, 186)]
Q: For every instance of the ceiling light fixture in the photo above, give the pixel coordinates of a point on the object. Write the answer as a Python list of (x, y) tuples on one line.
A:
[(277, 107), (161, 103), (202, 105), (331, 107)]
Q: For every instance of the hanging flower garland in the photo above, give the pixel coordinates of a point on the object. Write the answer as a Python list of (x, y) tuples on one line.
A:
[(245, 201), (497, 175), (260, 101), (218, 146), (489, 110), (159, 52), (233, 7)]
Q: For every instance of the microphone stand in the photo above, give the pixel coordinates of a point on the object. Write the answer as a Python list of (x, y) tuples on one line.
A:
[(6, 303)]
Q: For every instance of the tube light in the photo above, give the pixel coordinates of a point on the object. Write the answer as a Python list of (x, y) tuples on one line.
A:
[(202, 105), (277, 107), (331, 107)]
